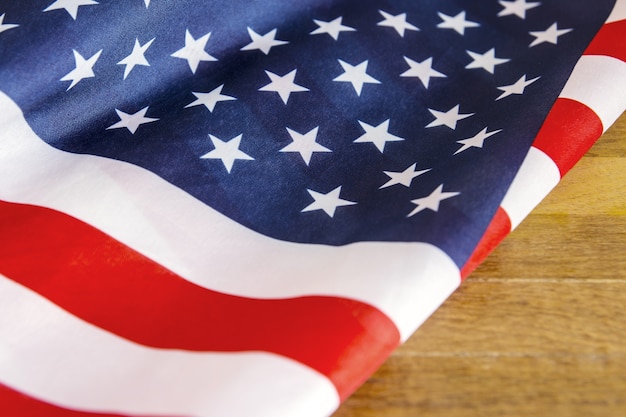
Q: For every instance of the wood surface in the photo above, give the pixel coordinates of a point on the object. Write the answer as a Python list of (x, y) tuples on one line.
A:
[(540, 328)]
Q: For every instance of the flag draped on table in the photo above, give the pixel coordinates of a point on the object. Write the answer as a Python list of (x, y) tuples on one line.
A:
[(236, 208)]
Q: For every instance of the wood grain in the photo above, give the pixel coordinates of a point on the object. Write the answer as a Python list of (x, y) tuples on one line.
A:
[(540, 328)]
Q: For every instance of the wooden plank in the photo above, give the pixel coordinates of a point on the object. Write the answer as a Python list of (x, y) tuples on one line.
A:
[(526, 318), (539, 329), (507, 348), (495, 386), (560, 246), (577, 195)]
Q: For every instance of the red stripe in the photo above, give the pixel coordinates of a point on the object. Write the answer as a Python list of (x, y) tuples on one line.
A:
[(570, 129), (609, 41), (110, 285), (16, 404), (497, 230)]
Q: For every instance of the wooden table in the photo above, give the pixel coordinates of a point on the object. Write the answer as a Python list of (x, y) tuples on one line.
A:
[(540, 328)]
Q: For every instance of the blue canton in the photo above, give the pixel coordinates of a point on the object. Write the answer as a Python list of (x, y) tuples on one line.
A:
[(316, 121)]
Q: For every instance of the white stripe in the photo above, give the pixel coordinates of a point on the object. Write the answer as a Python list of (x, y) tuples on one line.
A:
[(537, 176), (599, 82), (407, 281), (618, 13), (51, 355)]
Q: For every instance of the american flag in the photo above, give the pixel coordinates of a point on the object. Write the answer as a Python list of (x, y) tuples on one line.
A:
[(240, 208)]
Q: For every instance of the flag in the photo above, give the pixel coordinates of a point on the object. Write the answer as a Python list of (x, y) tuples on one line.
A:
[(241, 208)]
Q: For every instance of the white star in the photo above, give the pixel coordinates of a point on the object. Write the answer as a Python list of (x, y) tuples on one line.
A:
[(550, 35), (516, 7), (422, 70), (193, 51), (327, 202), (304, 144), (228, 152), (432, 201), (516, 88), (398, 22), (355, 74), (333, 28), (486, 61), (147, 3), (263, 43), (378, 135), (458, 22), (403, 178), (136, 57), (84, 68), (284, 85), (5, 26), (476, 141), (71, 6), (449, 118), (132, 121), (210, 99)]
